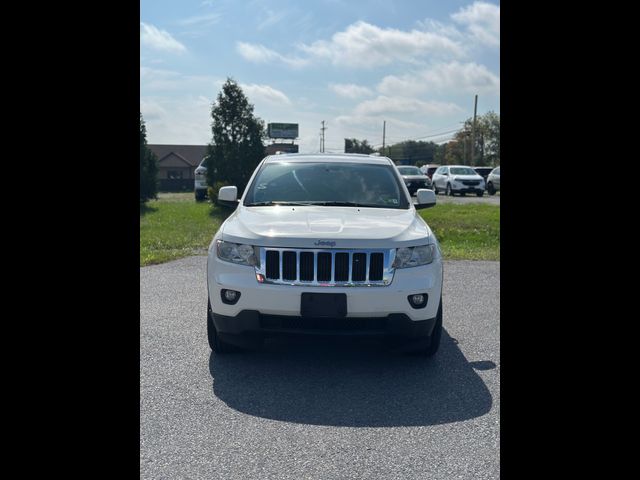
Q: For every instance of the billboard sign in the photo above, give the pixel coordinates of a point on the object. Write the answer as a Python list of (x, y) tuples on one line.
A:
[(282, 130)]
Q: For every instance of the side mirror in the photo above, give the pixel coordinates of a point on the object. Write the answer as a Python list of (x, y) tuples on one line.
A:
[(425, 198), (228, 197)]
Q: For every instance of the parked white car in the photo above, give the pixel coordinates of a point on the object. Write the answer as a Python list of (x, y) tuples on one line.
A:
[(200, 182), (493, 181), (325, 243), (461, 179)]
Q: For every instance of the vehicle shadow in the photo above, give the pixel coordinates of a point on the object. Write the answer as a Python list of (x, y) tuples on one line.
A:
[(351, 382), (144, 209)]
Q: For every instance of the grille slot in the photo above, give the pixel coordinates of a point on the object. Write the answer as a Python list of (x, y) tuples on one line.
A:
[(376, 266), (289, 265), (324, 267), (306, 266), (342, 267), (359, 267), (273, 264)]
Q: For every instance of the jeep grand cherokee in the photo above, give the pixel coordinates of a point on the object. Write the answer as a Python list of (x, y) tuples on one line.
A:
[(325, 244)]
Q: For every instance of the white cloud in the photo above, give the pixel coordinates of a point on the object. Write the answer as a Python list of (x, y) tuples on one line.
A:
[(201, 20), (159, 39), (454, 77), (350, 90), (362, 45), (181, 121), (272, 18), (366, 45), (158, 80), (261, 54), (384, 104), (264, 93), (483, 22)]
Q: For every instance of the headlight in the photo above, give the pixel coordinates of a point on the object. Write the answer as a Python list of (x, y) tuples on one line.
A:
[(414, 256), (236, 253)]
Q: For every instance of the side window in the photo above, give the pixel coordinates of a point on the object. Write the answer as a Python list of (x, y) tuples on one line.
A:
[(498, 171)]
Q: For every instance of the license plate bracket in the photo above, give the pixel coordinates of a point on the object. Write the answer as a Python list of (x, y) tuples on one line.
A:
[(325, 305)]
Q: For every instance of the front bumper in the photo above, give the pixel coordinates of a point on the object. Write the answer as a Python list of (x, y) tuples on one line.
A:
[(362, 302), (467, 189), (250, 325)]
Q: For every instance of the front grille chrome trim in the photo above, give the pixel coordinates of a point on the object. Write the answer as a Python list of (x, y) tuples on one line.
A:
[(387, 272)]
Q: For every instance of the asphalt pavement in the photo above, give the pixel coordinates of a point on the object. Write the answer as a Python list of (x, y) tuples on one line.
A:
[(318, 408)]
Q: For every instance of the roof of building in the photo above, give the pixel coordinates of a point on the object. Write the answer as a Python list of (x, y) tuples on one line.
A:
[(192, 154)]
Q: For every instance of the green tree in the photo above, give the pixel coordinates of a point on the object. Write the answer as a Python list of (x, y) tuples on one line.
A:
[(353, 145), (487, 140), (236, 147), (148, 167), (411, 152)]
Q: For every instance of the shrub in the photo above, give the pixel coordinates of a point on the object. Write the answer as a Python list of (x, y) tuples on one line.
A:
[(212, 192)]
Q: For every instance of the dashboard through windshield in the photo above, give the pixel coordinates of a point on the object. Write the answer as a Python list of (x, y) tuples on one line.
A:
[(328, 184)]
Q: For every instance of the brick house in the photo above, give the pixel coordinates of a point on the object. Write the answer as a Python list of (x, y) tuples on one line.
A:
[(176, 165)]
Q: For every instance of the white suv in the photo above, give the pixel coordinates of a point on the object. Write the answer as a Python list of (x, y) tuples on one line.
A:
[(461, 179), (325, 244)]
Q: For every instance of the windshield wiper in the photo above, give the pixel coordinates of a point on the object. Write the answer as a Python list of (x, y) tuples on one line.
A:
[(270, 203), (336, 204)]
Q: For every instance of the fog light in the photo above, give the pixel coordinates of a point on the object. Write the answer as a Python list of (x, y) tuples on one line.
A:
[(419, 300), (229, 297)]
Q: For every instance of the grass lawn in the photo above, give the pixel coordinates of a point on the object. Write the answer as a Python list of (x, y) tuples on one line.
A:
[(468, 231), (176, 226)]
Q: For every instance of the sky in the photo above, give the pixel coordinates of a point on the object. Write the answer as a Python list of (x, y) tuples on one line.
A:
[(354, 64)]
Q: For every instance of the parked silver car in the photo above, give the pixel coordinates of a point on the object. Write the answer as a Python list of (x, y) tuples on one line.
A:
[(493, 181), (461, 179)]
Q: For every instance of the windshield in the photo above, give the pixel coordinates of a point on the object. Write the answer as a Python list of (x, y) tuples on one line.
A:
[(462, 171), (409, 171), (326, 183)]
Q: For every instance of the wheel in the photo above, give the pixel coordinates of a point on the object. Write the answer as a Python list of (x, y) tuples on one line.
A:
[(435, 189), (463, 194), (490, 189), (199, 195), (449, 191), (479, 193), (215, 343), (436, 334)]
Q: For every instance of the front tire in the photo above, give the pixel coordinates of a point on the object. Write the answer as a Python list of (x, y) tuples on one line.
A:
[(449, 191), (435, 189), (216, 345), (479, 194), (199, 195), (490, 189), (436, 335)]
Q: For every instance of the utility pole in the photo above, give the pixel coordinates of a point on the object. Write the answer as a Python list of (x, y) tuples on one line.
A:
[(322, 140), (473, 131), (384, 131)]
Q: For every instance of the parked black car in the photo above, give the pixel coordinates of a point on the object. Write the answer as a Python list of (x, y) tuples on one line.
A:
[(414, 179), (483, 172)]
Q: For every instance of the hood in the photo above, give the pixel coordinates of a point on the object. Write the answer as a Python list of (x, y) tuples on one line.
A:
[(412, 178), (325, 227), (466, 177)]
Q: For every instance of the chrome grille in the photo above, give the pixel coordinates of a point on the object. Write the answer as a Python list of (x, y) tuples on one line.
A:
[(325, 267)]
